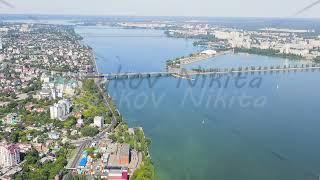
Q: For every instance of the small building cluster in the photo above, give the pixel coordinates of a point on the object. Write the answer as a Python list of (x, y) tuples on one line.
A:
[(39, 48), (11, 119), (56, 86), (113, 163)]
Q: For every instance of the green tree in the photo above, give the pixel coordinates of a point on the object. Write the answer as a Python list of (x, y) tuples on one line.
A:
[(145, 172), (89, 131), (69, 122), (113, 137)]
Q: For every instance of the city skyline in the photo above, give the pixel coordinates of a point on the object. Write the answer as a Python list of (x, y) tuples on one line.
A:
[(202, 8)]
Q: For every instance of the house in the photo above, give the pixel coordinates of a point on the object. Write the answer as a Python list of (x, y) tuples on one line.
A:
[(80, 123), (12, 119), (24, 147), (54, 135), (41, 148)]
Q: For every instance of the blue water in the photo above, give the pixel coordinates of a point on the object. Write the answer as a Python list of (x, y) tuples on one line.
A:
[(139, 53), (250, 127)]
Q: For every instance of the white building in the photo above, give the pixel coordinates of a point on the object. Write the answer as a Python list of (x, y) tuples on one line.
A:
[(98, 121), (9, 155), (53, 135), (209, 52), (45, 78), (60, 110), (80, 122), (0, 44), (44, 93)]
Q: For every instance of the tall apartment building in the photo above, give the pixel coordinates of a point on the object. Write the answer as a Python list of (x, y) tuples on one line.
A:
[(60, 110), (0, 44), (9, 154), (98, 121)]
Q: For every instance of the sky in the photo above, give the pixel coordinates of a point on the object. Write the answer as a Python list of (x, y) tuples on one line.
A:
[(209, 8)]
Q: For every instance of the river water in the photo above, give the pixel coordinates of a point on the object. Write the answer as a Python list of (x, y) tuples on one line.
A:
[(262, 126)]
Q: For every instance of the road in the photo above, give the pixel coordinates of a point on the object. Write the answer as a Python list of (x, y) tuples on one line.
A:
[(84, 143), (114, 119), (79, 153)]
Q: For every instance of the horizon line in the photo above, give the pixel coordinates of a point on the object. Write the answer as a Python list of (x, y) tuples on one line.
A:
[(167, 16)]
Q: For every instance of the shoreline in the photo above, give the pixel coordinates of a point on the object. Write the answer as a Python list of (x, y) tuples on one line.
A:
[(146, 159), (271, 53), (195, 57), (192, 59)]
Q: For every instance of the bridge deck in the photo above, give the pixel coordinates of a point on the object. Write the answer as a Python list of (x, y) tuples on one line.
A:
[(184, 72)]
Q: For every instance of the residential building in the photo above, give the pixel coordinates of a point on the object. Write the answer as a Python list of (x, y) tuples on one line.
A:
[(0, 44), (60, 110), (9, 154), (98, 121), (12, 119)]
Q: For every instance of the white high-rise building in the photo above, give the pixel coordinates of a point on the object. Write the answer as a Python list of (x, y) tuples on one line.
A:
[(60, 110), (98, 121), (9, 154), (0, 44), (56, 111)]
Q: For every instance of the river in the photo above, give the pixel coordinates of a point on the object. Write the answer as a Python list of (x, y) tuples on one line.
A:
[(251, 126)]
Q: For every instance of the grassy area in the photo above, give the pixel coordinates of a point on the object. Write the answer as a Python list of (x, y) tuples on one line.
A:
[(90, 102), (145, 172)]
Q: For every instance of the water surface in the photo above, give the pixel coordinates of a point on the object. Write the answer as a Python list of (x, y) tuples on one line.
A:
[(254, 126)]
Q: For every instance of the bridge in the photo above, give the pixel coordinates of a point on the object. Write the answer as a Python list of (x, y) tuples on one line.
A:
[(132, 75), (180, 72), (122, 35)]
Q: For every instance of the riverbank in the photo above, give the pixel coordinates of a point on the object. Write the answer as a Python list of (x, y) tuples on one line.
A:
[(121, 133), (269, 53)]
